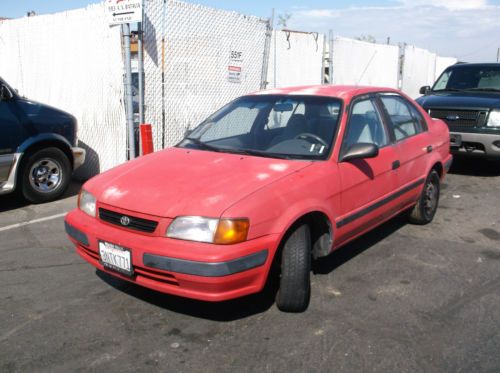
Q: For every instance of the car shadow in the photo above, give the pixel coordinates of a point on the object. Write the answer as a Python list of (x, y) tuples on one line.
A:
[(475, 167), (220, 311), (257, 303), (15, 200), (326, 265)]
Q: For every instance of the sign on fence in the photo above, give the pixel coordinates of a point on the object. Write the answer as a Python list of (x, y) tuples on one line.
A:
[(124, 11)]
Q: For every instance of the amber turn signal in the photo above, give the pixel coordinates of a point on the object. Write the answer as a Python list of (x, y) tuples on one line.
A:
[(231, 231)]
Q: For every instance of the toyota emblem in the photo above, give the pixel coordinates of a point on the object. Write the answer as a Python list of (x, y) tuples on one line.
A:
[(125, 220)]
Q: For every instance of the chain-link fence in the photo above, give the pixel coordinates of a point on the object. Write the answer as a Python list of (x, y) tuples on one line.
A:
[(73, 61), (295, 58), (196, 60), (361, 63)]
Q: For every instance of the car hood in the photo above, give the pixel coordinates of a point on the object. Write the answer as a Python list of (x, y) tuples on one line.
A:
[(473, 100), (177, 181)]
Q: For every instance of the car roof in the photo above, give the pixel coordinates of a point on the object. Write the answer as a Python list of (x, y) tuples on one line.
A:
[(338, 91), (476, 64)]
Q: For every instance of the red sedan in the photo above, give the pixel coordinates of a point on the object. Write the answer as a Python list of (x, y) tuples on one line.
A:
[(279, 177)]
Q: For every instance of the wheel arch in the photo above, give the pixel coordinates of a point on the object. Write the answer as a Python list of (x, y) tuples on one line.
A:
[(42, 141), (439, 168), (321, 228)]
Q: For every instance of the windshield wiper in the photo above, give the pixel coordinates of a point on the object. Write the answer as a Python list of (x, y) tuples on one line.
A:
[(484, 89), (256, 153), (447, 89), (203, 145)]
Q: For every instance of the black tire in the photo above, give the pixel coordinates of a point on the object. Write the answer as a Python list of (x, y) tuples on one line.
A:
[(425, 209), (295, 286), (45, 175)]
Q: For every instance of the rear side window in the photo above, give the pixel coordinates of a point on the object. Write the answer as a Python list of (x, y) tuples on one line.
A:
[(404, 119)]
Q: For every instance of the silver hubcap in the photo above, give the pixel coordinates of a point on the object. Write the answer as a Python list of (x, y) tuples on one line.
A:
[(430, 198), (45, 175)]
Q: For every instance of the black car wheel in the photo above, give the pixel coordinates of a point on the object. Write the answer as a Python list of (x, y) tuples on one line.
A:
[(45, 175), (425, 209), (295, 286)]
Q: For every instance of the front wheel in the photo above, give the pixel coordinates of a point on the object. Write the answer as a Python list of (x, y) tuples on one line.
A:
[(425, 209), (45, 175), (295, 286)]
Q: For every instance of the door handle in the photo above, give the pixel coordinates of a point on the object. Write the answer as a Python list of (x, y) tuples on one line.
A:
[(396, 165), (429, 149)]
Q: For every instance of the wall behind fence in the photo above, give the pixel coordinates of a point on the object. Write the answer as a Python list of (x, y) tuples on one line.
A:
[(295, 58), (358, 62), (208, 58), (419, 69), (72, 61)]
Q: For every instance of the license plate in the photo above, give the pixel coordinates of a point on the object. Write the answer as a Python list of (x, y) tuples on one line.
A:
[(116, 258), (455, 140)]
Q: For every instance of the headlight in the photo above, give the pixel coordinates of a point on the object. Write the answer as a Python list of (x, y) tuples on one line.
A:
[(209, 230), (87, 203), (494, 119)]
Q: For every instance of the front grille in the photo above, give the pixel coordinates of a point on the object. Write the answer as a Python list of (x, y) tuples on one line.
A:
[(460, 119), (135, 223)]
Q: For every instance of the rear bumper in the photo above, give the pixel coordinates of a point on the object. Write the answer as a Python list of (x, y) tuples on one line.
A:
[(78, 157), (188, 269), (475, 144)]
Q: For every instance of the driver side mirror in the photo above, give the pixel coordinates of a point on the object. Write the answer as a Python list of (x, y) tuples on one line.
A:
[(360, 150), (425, 90)]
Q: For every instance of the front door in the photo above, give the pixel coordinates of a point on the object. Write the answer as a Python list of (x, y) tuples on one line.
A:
[(367, 184), (10, 131)]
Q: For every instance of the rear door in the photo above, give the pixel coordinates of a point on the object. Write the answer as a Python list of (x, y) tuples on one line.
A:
[(367, 184), (412, 144)]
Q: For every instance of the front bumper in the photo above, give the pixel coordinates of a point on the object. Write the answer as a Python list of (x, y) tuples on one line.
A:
[(188, 269), (78, 157), (475, 144)]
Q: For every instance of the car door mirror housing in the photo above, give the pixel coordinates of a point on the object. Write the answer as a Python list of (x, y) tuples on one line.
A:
[(360, 151), (425, 90), (5, 94)]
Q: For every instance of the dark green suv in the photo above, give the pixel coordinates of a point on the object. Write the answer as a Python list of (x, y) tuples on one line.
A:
[(38, 147), (467, 97)]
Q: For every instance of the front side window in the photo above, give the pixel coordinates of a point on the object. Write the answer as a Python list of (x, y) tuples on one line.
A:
[(402, 121), (280, 126), (365, 126)]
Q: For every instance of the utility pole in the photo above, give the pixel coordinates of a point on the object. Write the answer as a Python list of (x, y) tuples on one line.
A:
[(498, 54)]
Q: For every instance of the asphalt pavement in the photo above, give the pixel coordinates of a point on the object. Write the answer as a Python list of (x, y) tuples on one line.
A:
[(402, 298)]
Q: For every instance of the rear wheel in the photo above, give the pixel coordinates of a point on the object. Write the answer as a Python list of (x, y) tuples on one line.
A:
[(45, 175), (425, 209), (295, 286)]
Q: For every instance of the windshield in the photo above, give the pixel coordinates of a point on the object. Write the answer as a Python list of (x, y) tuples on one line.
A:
[(277, 126), (469, 77)]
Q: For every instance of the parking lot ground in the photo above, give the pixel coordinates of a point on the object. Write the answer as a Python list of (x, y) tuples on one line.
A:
[(401, 299)]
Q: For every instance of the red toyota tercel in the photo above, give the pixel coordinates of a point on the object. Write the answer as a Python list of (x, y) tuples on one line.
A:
[(279, 177)]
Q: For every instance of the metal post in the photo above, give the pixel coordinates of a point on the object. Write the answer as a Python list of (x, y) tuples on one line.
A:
[(330, 56), (275, 53), (140, 72), (267, 51), (163, 109), (129, 108), (401, 67), (323, 61)]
